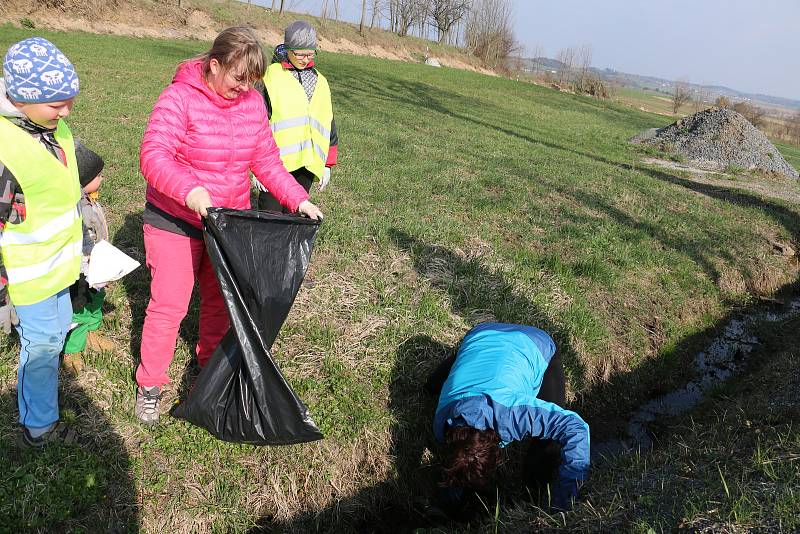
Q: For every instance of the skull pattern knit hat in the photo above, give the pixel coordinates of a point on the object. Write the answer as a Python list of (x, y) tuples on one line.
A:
[(300, 35), (37, 72)]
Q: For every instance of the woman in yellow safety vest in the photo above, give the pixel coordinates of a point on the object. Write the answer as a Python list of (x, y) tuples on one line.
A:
[(298, 101)]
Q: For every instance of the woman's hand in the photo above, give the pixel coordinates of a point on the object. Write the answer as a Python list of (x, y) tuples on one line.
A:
[(198, 200), (310, 210)]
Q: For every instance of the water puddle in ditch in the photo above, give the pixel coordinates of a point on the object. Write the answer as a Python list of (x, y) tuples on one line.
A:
[(715, 365)]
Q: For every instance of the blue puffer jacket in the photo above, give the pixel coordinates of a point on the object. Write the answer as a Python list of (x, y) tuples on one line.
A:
[(493, 384)]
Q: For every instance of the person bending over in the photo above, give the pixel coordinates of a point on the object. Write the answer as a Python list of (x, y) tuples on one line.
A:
[(506, 384)]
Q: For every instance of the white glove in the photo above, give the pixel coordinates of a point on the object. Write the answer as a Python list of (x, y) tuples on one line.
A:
[(326, 177)]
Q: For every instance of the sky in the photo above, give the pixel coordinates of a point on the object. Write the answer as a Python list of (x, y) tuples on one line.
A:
[(747, 45)]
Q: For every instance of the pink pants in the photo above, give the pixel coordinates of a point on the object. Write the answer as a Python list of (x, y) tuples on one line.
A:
[(175, 261)]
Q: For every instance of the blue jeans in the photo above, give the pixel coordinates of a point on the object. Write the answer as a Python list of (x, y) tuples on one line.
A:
[(42, 328)]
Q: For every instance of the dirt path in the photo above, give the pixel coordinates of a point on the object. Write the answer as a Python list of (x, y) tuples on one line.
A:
[(775, 188)]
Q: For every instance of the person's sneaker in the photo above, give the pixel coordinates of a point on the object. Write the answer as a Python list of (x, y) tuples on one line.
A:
[(59, 432), (147, 401), (97, 342), (73, 362)]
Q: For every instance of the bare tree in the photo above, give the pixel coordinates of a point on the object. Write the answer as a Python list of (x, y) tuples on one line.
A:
[(421, 18), (681, 95), (281, 8), (723, 102), (404, 13), (445, 13), (488, 32), (583, 65), (324, 11), (363, 14), (752, 113), (703, 99), (536, 52), (793, 127), (376, 10), (565, 56)]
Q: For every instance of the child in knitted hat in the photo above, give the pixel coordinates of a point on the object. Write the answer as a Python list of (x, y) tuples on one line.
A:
[(87, 301), (300, 111), (41, 236)]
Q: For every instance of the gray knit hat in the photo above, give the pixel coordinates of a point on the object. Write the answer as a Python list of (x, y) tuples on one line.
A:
[(300, 35)]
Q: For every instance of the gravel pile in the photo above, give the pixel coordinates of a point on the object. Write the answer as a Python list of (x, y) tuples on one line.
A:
[(716, 138)]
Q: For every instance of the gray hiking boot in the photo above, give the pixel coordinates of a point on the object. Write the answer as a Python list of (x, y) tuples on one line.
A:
[(58, 432), (147, 401)]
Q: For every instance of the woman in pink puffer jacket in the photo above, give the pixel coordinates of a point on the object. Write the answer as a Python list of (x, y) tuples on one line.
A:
[(207, 130)]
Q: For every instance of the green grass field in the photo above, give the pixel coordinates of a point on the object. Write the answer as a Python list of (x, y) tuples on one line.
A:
[(790, 152), (648, 100), (458, 198)]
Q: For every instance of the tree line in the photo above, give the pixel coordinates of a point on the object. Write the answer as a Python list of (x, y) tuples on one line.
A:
[(482, 27)]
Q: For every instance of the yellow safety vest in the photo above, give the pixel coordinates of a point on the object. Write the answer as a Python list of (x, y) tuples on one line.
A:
[(42, 254), (302, 129)]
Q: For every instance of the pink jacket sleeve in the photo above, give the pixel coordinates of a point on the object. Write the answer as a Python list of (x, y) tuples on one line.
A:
[(268, 169), (165, 133)]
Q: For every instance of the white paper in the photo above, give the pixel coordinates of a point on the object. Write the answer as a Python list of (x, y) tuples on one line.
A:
[(108, 263)]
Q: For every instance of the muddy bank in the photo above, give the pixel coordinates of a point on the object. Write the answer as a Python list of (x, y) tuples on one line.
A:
[(724, 357)]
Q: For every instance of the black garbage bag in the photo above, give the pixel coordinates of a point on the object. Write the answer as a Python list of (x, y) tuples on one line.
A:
[(240, 395)]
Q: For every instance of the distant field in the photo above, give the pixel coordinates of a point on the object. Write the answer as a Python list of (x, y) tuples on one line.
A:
[(661, 103), (790, 152), (651, 101), (458, 198)]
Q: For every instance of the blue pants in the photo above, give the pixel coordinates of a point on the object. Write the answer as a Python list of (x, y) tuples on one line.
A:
[(42, 329)]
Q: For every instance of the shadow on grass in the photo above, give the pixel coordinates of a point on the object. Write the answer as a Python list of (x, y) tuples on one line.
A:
[(403, 502), (397, 504), (85, 486), (360, 84), (474, 290), (608, 404), (425, 96)]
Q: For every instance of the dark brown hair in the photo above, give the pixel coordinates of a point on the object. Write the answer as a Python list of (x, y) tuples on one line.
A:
[(471, 457), (234, 47)]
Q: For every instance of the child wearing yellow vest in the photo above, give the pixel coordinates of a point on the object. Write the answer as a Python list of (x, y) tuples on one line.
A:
[(42, 236), (300, 112)]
